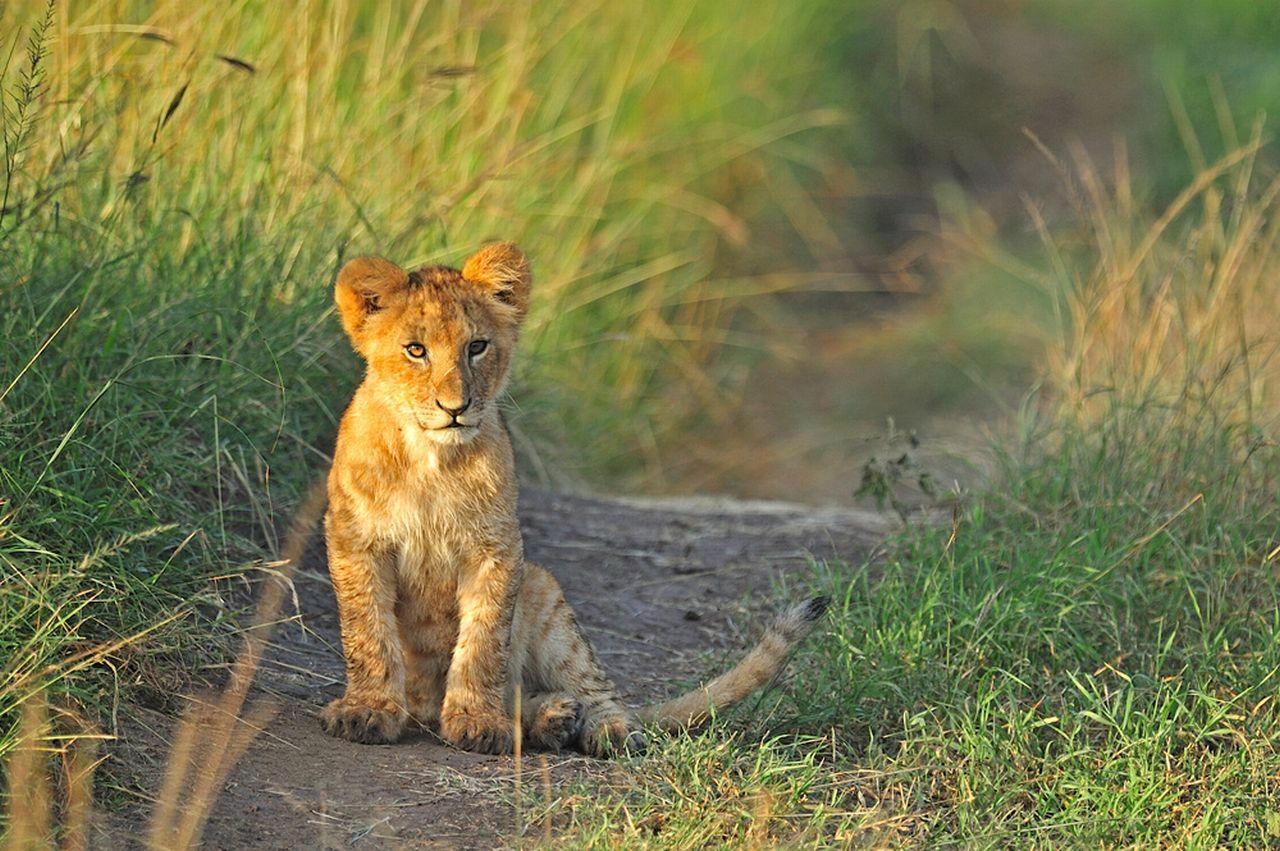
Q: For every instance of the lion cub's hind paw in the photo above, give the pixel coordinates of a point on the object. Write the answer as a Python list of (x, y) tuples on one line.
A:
[(359, 722), (611, 737), (557, 722)]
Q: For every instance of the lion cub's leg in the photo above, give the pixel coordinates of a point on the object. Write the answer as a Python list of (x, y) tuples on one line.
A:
[(373, 709), (476, 713), (559, 659)]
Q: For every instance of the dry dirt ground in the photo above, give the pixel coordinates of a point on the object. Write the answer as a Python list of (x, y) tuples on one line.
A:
[(668, 590)]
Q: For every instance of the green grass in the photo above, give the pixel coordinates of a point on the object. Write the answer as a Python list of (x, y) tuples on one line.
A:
[(1073, 663), (151, 445), (1076, 665), (1089, 653)]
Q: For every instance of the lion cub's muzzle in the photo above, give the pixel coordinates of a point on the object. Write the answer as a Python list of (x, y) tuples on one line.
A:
[(454, 413), (450, 422)]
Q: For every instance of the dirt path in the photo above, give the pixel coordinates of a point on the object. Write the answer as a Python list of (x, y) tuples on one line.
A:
[(656, 584)]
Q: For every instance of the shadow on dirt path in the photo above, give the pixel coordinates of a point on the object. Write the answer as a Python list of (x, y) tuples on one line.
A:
[(657, 584)]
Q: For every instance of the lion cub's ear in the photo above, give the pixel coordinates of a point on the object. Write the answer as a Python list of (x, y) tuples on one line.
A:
[(502, 271), (366, 285)]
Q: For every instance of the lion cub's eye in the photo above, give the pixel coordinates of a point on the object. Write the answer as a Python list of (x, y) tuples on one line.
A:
[(477, 347), (416, 351)]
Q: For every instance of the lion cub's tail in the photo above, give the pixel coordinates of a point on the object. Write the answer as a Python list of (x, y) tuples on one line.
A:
[(760, 666)]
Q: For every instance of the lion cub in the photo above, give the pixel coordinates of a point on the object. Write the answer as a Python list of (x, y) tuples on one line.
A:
[(443, 621)]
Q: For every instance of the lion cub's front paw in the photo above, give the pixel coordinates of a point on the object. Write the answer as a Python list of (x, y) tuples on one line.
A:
[(361, 722), (484, 732)]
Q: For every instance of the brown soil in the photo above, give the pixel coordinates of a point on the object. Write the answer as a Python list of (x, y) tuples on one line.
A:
[(656, 584)]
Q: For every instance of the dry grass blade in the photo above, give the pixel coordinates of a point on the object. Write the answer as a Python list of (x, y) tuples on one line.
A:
[(31, 787), (546, 798), (38, 353), (80, 762), (1203, 181), (517, 733), (30, 794), (164, 816), (214, 734)]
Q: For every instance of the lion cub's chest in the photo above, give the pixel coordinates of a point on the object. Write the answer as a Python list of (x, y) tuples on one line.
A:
[(432, 533), (443, 520)]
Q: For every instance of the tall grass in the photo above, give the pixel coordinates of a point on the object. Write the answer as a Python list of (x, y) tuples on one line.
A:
[(1171, 351), (263, 145)]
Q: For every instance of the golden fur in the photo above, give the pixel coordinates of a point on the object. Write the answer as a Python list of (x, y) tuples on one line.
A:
[(443, 621)]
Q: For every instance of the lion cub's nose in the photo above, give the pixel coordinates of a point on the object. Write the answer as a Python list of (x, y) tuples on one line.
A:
[(454, 412)]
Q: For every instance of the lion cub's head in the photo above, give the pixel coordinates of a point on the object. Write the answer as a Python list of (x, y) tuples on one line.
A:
[(438, 341)]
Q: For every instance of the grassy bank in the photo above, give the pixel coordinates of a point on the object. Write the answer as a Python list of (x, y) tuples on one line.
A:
[(1088, 654)]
